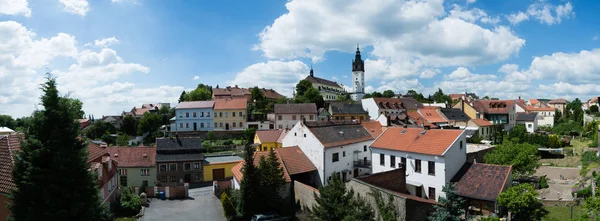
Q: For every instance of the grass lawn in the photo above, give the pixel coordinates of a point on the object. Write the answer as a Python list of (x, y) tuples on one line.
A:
[(562, 213), (577, 147)]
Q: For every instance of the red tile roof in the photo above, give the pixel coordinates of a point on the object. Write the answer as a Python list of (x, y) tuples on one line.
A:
[(239, 175), (493, 106), (419, 120), (432, 115), (95, 152), (8, 146), (531, 108), (373, 127), (533, 101), (433, 142), (558, 101), (292, 160), (235, 103), (134, 156), (388, 103), (230, 91), (481, 181), (482, 122), (267, 136)]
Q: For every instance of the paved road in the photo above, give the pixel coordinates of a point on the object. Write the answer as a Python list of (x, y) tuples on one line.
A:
[(203, 206)]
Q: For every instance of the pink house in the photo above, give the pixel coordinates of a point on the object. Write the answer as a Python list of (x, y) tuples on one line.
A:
[(106, 169)]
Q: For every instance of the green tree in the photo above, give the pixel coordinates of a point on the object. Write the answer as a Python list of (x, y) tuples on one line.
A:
[(389, 93), (451, 206), (228, 208), (345, 98), (376, 94), (122, 140), (249, 187), (367, 95), (594, 108), (557, 116), (199, 94), (98, 129), (313, 95), (302, 87), (129, 125), (7, 121), (149, 123), (336, 203), (518, 134), (523, 157), (386, 211), (486, 97), (522, 201), (129, 202), (210, 135), (50, 151), (271, 180), (75, 107), (181, 97), (440, 97)]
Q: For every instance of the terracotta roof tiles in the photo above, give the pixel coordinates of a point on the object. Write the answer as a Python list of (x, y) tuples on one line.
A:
[(134, 156), (8, 147), (482, 122), (267, 136), (432, 115), (235, 103), (373, 127), (295, 160), (96, 151), (432, 142), (481, 181), (493, 106)]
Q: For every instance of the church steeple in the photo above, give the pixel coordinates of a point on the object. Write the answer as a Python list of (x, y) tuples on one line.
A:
[(358, 64), (311, 71)]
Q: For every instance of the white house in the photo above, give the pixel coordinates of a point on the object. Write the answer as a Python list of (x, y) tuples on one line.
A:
[(432, 157), (381, 105), (333, 147), (287, 115), (529, 120), (545, 115)]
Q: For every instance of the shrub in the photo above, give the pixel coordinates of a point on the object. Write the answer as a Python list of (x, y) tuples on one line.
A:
[(588, 157), (585, 192), (130, 203), (489, 218), (228, 207), (543, 183)]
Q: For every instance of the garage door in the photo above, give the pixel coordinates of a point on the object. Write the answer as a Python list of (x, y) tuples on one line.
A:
[(219, 174)]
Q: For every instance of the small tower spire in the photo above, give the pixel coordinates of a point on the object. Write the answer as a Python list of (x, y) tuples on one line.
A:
[(311, 71)]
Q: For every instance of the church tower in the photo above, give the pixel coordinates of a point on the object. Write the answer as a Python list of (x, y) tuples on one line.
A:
[(358, 76)]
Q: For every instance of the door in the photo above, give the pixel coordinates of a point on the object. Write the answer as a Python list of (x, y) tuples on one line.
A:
[(355, 172), (218, 174), (227, 126), (344, 176), (188, 178), (195, 126)]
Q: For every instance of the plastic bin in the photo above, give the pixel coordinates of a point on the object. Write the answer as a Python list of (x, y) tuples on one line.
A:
[(161, 195)]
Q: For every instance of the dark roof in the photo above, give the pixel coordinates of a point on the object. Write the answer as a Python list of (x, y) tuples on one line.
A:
[(309, 108), (179, 157), (314, 79), (455, 114), (481, 181), (526, 116), (332, 134), (195, 104), (175, 143), (410, 103), (493, 106), (345, 108)]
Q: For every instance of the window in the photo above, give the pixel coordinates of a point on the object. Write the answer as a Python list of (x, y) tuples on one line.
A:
[(293, 117), (529, 125), (187, 114), (233, 124), (242, 124), (226, 114), (279, 117), (123, 172), (418, 166), (280, 126), (173, 167), (144, 172), (365, 148), (419, 191), (431, 168), (196, 176), (295, 134), (220, 124), (201, 114), (233, 114), (194, 114), (220, 114), (392, 161), (302, 117), (343, 153), (432, 193), (187, 125), (461, 144), (216, 125), (196, 166), (335, 157), (403, 161), (172, 179), (240, 114), (180, 125), (187, 166), (311, 117), (382, 159), (163, 179), (163, 167), (201, 125), (123, 180), (207, 114), (304, 135)]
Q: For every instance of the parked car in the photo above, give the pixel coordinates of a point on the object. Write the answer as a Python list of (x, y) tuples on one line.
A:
[(269, 217)]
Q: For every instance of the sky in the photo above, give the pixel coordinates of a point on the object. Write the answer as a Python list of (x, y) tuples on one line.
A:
[(117, 54)]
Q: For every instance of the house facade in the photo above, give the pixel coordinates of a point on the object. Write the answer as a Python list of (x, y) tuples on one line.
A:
[(219, 167), (467, 108), (498, 112), (230, 114), (529, 120), (333, 147), (347, 111), (559, 104), (379, 105), (480, 185), (545, 115), (105, 168), (483, 127), (266, 140), (432, 157), (193, 116), (179, 161), (456, 117), (287, 115), (330, 90), (136, 165)]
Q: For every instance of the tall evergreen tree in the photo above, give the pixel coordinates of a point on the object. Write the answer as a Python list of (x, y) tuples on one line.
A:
[(336, 203), (451, 208), (250, 184), (52, 177), (271, 181)]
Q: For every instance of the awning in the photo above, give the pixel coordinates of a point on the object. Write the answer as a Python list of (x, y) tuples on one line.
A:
[(413, 183)]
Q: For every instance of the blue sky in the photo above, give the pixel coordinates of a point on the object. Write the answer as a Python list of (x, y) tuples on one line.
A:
[(116, 54)]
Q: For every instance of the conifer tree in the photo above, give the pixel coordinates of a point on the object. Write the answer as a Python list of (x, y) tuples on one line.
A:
[(249, 186), (52, 177), (335, 203), (271, 181), (451, 208)]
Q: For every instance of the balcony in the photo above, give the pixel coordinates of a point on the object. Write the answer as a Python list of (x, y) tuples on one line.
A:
[(362, 163)]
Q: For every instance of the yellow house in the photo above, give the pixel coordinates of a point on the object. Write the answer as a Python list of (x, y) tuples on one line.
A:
[(230, 114), (467, 108), (219, 168), (266, 140)]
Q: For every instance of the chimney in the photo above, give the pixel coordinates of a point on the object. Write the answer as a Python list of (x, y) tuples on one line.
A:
[(389, 121)]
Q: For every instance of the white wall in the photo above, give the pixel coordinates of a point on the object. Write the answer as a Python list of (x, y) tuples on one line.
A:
[(287, 120), (382, 120), (310, 145), (546, 118), (456, 156), (346, 162), (371, 107), (235, 184)]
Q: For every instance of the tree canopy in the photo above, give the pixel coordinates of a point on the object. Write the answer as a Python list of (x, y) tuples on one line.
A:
[(451, 206), (302, 87), (7, 121), (440, 97), (201, 93), (129, 125), (306, 93), (336, 203), (52, 167), (388, 93), (523, 157), (522, 201)]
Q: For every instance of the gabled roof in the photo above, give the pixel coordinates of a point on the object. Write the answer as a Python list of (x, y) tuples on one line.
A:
[(332, 134), (432, 142), (230, 91), (271, 94), (267, 136), (96, 151), (431, 115), (419, 120), (239, 175), (481, 181), (346, 108), (493, 106), (558, 101), (6, 130), (526, 116), (233, 103), (388, 103), (373, 127), (534, 101), (318, 80), (195, 104), (410, 103), (455, 114), (305, 108), (295, 161), (9, 145), (482, 122), (133, 156), (282, 135)]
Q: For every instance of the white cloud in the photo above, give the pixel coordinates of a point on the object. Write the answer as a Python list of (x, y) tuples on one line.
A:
[(15, 7), (570, 67), (77, 7), (472, 15), (278, 75), (196, 78), (105, 42), (595, 38), (429, 73), (471, 1), (570, 91), (544, 12)]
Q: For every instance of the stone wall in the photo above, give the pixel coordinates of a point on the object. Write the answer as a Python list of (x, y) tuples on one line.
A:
[(304, 195), (478, 156), (364, 190)]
